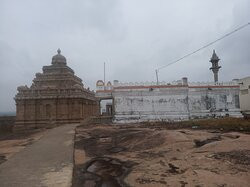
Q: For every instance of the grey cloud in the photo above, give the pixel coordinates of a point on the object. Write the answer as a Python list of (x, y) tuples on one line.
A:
[(132, 37)]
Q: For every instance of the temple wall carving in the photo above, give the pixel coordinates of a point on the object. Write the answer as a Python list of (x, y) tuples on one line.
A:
[(56, 96)]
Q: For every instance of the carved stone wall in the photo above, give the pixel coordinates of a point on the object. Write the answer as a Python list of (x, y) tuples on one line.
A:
[(56, 96)]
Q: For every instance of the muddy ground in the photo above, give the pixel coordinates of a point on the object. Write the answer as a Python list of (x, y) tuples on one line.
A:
[(142, 155)]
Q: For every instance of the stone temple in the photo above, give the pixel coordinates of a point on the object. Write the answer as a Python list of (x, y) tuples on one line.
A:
[(56, 96)]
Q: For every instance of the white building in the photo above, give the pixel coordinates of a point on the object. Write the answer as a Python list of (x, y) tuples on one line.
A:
[(180, 100), (245, 96)]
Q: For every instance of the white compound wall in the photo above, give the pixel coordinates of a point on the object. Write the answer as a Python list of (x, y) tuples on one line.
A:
[(175, 103)]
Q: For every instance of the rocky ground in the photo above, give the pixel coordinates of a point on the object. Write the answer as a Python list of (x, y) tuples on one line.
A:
[(11, 143), (153, 155), (205, 153)]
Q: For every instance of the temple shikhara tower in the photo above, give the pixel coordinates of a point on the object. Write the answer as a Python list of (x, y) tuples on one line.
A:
[(56, 96)]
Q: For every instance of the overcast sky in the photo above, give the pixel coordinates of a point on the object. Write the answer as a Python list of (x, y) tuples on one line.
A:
[(133, 37)]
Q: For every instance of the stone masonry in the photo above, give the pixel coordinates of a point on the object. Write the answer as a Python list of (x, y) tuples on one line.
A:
[(56, 96)]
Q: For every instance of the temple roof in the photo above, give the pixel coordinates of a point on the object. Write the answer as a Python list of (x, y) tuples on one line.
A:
[(56, 81), (59, 59)]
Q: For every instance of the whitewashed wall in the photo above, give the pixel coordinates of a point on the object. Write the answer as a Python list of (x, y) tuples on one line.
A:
[(176, 103), (204, 102), (245, 95)]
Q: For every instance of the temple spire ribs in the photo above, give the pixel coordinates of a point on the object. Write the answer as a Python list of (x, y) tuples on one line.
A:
[(56, 96), (215, 65)]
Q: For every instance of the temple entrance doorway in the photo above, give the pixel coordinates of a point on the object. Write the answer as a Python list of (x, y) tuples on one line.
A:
[(106, 107)]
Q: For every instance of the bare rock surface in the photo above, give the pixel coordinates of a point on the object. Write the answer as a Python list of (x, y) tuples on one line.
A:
[(134, 155)]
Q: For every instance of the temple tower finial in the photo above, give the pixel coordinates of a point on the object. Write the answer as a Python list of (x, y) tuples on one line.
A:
[(59, 59)]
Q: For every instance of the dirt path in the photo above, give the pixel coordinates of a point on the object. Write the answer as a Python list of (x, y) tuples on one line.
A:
[(47, 162)]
